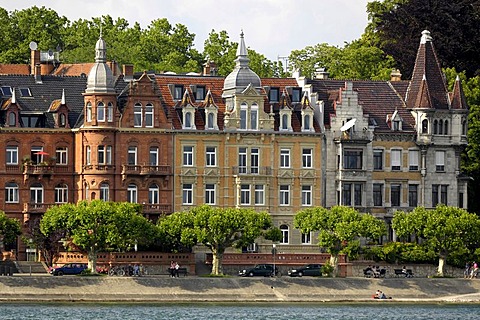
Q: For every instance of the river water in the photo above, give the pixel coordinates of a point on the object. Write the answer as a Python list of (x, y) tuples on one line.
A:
[(389, 310)]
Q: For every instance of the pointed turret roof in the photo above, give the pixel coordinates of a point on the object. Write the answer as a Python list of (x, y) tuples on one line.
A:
[(458, 97), (427, 78), (100, 78), (242, 75)]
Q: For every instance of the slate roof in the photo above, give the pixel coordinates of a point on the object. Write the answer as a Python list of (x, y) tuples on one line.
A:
[(46, 92)]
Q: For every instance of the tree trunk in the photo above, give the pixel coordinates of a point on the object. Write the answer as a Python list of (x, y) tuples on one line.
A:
[(334, 263), (441, 265), (92, 259), (217, 262)]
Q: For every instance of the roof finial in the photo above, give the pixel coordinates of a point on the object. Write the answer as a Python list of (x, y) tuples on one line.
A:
[(242, 49), (63, 97), (100, 28), (426, 37)]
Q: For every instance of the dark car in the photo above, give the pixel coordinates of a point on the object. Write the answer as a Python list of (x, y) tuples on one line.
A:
[(69, 268), (265, 270), (306, 270)]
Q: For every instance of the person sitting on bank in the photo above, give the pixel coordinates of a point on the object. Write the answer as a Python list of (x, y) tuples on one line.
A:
[(406, 273), (172, 268), (177, 266)]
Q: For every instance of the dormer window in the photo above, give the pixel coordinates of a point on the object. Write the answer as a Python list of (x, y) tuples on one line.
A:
[(396, 125), (188, 120), (274, 94), (296, 95), (306, 123), (62, 121), (12, 119), (177, 92), (6, 91), (200, 93), (25, 92), (396, 121), (284, 122)]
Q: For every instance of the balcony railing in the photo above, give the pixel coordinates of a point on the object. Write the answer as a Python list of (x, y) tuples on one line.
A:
[(31, 207), (264, 171), (157, 208), (145, 170), (38, 169)]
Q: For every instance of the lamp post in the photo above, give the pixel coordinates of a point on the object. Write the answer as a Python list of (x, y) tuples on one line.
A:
[(274, 251)]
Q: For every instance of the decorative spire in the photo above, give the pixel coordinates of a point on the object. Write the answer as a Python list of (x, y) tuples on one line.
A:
[(458, 97), (242, 53), (426, 37), (63, 97), (14, 99)]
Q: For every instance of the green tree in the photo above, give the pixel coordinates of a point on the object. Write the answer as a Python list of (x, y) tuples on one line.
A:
[(97, 225), (396, 25), (10, 229), (48, 246), (218, 229), (443, 230), (42, 25), (337, 227)]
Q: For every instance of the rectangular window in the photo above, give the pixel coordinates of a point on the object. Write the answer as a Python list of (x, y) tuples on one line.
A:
[(61, 194), (245, 194), (210, 194), (149, 116), (109, 154), (188, 156), (101, 112), (259, 194), (352, 159), (395, 195), (88, 155), (178, 92), (413, 156), (284, 195), (211, 157), (285, 158), (460, 199), (187, 194), (273, 94), (137, 115), (440, 161), (254, 160), (435, 188), (306, 195), (11, 155), (11, 193), (378, 194), (296, 94), (377, 159), (307, 158), (254, 117), (243, 117), (101, 155), (61, 155), (307, 238), (357, 194), (396, 158), (443, 194), (242, 160), (25, 92), (132, 156), (412, 195), (200, 93), (153, 156), (347, 194)]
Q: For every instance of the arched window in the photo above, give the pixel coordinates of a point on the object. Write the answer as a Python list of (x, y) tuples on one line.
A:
[(89, 111), (36, 193), (149, 115), (101, 112), (210, 120), (188, 120), (132, 193), (110, 112), (284, 122), (254, 117), (243, 116), (61, 193), (63, 120), (306, 122), (104, 191), (153, 194), (440, 127), (445, 129), (12, 119), (11, 192), (425, 126), (137, 115), (435, 126), (285, 233)]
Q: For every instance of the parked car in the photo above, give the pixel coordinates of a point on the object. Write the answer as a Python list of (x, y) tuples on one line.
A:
[(69, 268), (306, 270), (265, 270)]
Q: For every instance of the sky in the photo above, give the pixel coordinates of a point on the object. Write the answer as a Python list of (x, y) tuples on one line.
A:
[(272, 27)]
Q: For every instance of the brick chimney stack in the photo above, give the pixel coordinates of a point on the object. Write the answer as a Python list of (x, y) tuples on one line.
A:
[(395, 75), (128, 72), (34, 60), (210, 68)]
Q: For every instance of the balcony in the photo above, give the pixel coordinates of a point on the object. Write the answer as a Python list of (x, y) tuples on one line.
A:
[(150, 208), (30, 207), (262, 171), (362, 137), (144, 170)]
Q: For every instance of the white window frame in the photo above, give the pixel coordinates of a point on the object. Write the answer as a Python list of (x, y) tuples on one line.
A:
[(243, 116), (101, 112), (187, 194), (210, 193), (440, 161), (254, 160), (285, 234), (285, 158), (307, 195), (307, 238), (149, 115), (153, 194), (254, 116), (104, 191), (188, 156), (88, 155), (132, 193), (307, 158), (284, 193), (259, 194), (61, 193), (396, 159), (211, 156), (245, 194), (11, 192), (89, 112), (61, 154), (11, 155), (153, 155), (242, 160), (36, 194), (413, 160), (110, 112), (137, 115), (132, 155)]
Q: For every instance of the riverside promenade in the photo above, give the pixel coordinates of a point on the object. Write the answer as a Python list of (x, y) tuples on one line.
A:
[(234, 289)]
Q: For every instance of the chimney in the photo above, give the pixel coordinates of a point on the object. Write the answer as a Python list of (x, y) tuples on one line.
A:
[(34, 60), (38, 73), (320, 73), (114, 67), (210, 68), (128, 72), (395, 75)]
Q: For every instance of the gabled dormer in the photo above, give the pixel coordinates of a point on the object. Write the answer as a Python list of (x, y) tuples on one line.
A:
[(395, 121), (188, 112), (285, 113), (211, 112), (60, 111), (11, 108), (307, 114)]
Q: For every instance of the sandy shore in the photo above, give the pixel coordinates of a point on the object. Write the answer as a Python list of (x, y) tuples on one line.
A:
[(233, 289)]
